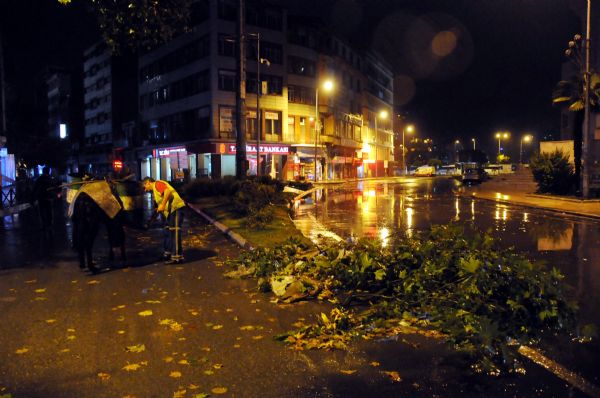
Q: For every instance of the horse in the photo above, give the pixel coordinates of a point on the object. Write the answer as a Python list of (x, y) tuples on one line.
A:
[(87, 217)]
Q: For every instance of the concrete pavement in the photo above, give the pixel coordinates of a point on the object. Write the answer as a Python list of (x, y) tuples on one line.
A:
[(519, 189)]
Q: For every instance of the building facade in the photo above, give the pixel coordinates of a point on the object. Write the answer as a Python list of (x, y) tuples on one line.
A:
[(187, 97), (110, 108)]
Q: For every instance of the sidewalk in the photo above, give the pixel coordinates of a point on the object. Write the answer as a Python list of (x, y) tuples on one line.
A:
[(511, 189)]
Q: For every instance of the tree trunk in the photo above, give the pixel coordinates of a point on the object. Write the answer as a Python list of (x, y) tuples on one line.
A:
[(577, 142)]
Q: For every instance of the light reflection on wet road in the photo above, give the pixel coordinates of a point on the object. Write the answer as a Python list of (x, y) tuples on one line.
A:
[(381, 209)]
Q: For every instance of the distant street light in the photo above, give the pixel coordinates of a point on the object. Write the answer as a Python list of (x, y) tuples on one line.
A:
[(501, 136), (327, 86), (473, 140), (525, 138)]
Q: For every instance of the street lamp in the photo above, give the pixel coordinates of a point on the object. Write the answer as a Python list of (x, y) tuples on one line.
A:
[(456, 146), (327, 86), (500, 136), (383, 115), (409, 129), (526, 138), (259, 61), (473, 140)]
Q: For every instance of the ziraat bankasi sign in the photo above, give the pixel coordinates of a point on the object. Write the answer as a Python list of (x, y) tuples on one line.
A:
[(264, 149)]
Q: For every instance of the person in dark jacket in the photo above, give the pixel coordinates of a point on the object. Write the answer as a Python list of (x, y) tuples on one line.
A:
[(44, 192)]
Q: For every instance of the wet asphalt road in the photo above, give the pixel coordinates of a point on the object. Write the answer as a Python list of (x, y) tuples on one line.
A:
[(569, 243), (65, 333)]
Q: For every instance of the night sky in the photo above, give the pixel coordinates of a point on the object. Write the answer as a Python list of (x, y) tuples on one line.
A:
[(499, 60)]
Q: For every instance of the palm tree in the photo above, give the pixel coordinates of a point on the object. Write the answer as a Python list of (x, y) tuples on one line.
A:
[(571, 93)]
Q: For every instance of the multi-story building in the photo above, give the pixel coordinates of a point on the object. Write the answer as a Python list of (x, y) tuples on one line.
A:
[(65, 109), (110, 102), (187, 96)]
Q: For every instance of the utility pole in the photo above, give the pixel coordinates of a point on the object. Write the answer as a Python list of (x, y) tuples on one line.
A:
[(585, 147), (258, 92), (240, 103)]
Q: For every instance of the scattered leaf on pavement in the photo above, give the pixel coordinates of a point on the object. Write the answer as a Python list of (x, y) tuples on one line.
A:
[(393, 375), (219, 390), (103, 376), (136, 348), (145, 313), (49, 321), (348, 372), (21, 350), (175, 374), (40, 290), (93, 282), (217, 327), (179, 394), (134, 366)]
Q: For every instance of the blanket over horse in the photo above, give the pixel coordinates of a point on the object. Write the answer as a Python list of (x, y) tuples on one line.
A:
[(101, 193)]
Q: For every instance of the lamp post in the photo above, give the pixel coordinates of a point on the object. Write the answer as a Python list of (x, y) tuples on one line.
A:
[(456, 146), (526, 138), (259, 61), (383, 115), (410, 128), (473, 140), (327, 86), (500, 136)]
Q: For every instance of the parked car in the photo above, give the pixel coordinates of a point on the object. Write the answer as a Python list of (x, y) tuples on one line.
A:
[(425, 171), (473, 175)]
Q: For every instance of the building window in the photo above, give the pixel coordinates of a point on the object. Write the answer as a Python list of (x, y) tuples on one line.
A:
[(226, 119), (227, 80), (199, 12), (227, 9), (301, 66), (291, 127), (301, 95), (226, 46), (271, 51), (272, 122)]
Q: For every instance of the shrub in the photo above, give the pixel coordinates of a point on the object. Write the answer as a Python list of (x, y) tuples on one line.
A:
[(259, 218), (553, 172)]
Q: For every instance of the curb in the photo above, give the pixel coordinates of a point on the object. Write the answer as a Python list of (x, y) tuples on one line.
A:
[(552, 209), (237, 238), (573, 200)]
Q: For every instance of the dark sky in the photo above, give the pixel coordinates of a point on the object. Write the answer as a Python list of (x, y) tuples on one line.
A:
[(497, 65)]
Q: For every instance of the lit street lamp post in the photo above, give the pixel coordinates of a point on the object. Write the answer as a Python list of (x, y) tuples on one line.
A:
[(456, 146), (526, 138), (383, 115), (500, 136), (410, 128), (327, 86), (473, 140)]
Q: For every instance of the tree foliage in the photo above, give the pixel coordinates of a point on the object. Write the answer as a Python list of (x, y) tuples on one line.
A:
[(484, 300), (139, 24), (553, 172)]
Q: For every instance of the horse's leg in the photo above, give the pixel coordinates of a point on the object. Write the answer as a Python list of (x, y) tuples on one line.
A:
[(90, 246)]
